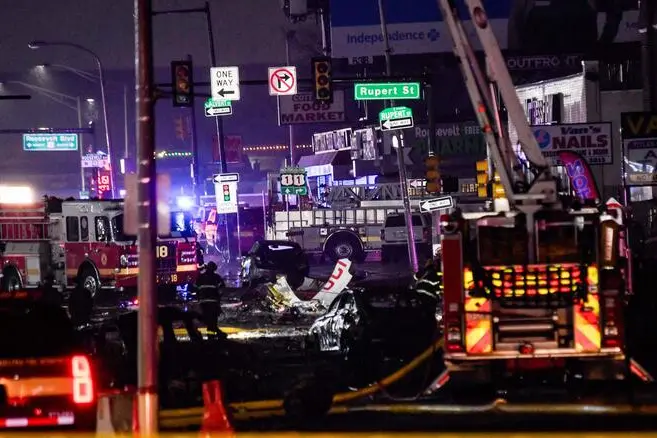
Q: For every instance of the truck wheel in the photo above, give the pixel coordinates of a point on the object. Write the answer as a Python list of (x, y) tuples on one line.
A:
[(89, 282), (11, 281), (345, 247)]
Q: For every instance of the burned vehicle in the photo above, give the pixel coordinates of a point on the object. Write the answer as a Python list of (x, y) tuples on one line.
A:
[(269, 258), (373, 323)]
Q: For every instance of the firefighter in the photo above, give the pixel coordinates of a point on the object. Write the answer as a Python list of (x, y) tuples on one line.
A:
[(428, 283), (209, 285)]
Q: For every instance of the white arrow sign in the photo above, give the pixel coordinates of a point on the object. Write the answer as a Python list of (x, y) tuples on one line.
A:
[(437, 204), (417, 183), (219, 111), (397, 124)]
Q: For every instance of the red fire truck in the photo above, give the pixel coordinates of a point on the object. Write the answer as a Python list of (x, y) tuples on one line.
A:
[(538, 281), (83, 242)]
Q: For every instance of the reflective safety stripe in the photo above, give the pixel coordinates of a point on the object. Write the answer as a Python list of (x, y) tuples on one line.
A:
[(432, 283), (587, 325), (478, 326), (426, 292)]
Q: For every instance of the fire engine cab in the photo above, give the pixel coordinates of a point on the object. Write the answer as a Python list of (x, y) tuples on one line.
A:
[(538, 281), (82, 242)]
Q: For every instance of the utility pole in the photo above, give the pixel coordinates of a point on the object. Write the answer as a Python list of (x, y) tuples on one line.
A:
[(147, 397), (219, 121), (647, 23), (399, 140), (83, 185), (194, 135)]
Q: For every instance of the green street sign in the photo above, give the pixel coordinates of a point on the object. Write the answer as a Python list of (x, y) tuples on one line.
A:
[(293, 181), (50, 142), (218, 107), (387, 91), (399, 117)]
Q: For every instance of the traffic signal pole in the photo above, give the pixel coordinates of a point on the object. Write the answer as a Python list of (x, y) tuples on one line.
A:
[(194, 135), (147, 363), (408, 214)]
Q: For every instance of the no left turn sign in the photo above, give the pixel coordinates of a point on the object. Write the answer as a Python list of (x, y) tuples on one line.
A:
[(282, 81)]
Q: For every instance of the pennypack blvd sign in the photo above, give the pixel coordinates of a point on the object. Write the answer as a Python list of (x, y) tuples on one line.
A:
[(225, 83), (218, 107), (399, 117), (390, 90), (437, 204), (50, 142)]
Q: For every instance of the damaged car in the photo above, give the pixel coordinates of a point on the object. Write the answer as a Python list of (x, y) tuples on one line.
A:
[(267, 259)]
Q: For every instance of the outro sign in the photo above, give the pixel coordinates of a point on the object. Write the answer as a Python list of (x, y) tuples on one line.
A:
[(579, 179)]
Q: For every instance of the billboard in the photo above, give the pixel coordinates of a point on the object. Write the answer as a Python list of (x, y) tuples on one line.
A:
[(639, 136), (302, 108), (592, 141), (414, 27)]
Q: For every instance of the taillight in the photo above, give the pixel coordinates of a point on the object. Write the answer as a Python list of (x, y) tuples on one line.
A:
[(453, 339), (83, 385)]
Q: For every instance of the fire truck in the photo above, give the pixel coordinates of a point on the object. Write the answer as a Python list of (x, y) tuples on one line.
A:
[(539, 281), (83, 243)]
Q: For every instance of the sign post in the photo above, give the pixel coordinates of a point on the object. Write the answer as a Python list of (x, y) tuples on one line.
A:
[(293, 181), (387, 91), (282, 81), (399, 117), (50, 142), (226, 195), (218, 107), (225, 83)]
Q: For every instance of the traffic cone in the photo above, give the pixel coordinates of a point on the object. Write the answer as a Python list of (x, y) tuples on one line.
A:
[(215, 418)]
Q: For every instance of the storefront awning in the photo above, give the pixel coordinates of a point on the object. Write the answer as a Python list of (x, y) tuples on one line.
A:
[(323, 163)]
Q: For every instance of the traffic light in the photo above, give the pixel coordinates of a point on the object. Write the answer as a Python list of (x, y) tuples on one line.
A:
[(482, 178), (434, 183), (226, 192), (498, 188), (323, 85), (183, 83)]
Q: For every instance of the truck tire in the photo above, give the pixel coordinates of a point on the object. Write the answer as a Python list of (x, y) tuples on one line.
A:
[(344, 246), (11, 281), (88, 281)]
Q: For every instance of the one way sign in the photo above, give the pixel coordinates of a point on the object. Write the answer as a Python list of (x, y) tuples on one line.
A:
[(399, 117), (441, 203)]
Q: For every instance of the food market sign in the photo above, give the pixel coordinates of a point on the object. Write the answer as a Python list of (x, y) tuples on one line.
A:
[(50, 142), (590, 140)]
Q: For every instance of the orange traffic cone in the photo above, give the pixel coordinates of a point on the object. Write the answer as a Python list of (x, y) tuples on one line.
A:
[(215, 417)]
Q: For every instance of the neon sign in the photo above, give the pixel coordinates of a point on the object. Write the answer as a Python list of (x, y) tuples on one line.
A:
[(103, 183), (579, 178)]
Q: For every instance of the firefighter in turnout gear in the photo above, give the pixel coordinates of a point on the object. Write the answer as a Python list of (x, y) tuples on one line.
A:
[(428, 283), (209, 285)]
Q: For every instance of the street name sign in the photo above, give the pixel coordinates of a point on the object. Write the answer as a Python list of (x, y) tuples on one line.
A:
[(399, 117), (282, 81), (225, 83), (437, 204), (293, 181), (218, 107), (50, 142), (387, 91)]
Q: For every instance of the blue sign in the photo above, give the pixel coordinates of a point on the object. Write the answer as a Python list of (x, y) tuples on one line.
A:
[(417, 26), (543, 138), (50, 142)]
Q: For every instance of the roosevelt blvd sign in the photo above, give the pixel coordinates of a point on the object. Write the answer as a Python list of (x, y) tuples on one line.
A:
[(387, 91), (218, 107), (441, 203), (399, 117)]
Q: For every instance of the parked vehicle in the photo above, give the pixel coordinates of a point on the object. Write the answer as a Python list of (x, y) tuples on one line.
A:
[(394, 235), (268, 258)]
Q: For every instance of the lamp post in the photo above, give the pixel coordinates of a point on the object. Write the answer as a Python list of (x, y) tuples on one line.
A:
[(101, 77), (76, 71), (61, 99)]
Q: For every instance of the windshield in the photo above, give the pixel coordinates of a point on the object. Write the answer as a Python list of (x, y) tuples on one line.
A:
[(399, 221), (182, 225), (566, 243), (500, 246), (37, 331)]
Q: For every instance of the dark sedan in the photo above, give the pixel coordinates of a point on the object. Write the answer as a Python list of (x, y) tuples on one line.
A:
[(269, 258)]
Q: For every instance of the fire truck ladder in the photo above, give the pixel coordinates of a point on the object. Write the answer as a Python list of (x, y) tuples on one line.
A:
[(523, 195)]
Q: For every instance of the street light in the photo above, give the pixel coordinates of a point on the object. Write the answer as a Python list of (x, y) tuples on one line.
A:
[(76, 71), (61, 99), (101, 77)]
